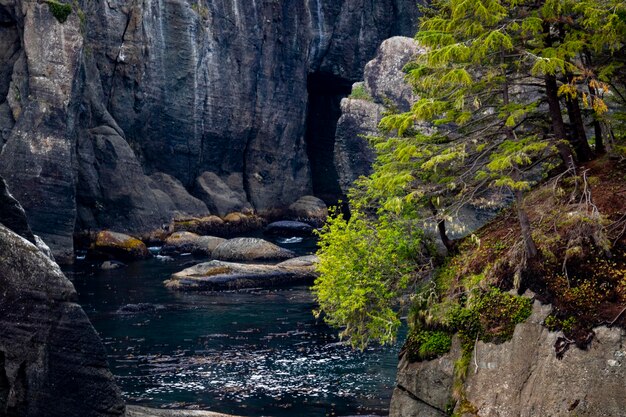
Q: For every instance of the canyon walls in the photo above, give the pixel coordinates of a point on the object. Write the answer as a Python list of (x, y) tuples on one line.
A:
[(111, 118)]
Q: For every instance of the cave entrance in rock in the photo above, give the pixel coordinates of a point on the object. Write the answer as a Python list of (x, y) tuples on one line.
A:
[(324, 109)]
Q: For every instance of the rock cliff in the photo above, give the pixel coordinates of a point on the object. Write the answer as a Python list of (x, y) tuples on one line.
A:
[(521, 377), (111, 117), (52, 362)]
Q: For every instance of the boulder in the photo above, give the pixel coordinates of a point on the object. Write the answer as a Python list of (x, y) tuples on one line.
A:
[(185, 203), (221, 276), (309, 209), (52, 362), (288, 228), (112, 245), (187, 242), (218, 196), (385, 80), (250, 249)]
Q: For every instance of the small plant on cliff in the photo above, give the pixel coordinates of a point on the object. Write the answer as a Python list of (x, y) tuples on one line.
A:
[(360, 93), (60, 11)]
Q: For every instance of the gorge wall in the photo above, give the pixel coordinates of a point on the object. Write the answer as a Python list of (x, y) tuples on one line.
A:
[(125, 114), (52, 362)]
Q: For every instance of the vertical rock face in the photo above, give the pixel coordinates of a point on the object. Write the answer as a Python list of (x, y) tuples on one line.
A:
[(384, 85), (124, 89), (52, 362), (522, 377)]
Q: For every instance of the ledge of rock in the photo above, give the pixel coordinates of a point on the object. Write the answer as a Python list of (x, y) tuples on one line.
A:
[(250, 249), (187, 242), (134, 411), (220, 276)]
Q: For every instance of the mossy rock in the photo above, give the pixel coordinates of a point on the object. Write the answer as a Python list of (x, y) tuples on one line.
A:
[(112, 245), (61, 11)]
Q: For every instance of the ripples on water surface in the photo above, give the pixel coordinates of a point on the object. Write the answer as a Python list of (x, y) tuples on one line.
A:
[(252, 353)]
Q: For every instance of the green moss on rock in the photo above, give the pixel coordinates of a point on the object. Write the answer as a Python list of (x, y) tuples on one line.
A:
[(60, 11)]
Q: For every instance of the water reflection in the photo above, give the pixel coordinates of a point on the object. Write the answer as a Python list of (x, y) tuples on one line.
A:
[(247, 353)]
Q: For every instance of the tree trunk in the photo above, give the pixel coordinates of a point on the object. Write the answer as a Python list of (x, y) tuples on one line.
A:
[(524, 222), (441, 228), (597, 127), (558, 126), (579, 139)]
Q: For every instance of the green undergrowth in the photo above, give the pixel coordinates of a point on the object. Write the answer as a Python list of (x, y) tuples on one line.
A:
[(577, 225), (360, 93), (60, 11)]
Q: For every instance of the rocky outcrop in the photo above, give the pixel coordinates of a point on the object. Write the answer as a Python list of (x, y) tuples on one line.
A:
[(97, 110), (384, 87), (223, 276), (250, 249), (52, 362), (522, 377)]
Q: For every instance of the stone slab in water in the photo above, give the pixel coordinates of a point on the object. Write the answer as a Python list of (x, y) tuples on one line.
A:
[(220, 276), (288, 228), (134, 411)]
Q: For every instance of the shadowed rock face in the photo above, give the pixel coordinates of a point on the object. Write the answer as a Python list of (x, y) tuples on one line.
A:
[(125, 89), (52, 362)]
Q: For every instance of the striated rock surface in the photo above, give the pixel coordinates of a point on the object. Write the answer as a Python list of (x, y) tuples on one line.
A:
[(523, 377), (95, 111), (220, 276), (250, 249), (52, 362)]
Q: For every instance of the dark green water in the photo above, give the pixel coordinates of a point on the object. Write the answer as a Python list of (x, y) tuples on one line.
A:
[(251, 353)]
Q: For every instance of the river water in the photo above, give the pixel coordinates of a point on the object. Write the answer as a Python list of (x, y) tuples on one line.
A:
[(251, 353)]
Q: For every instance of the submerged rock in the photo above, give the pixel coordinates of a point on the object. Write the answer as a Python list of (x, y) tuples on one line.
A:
[(250, 249), (187, 242), (52, 362), (288, 229), (220, 276), (114, 245), (110, 265)]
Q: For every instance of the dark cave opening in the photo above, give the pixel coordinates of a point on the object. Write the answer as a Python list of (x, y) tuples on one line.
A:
[(324, 110)]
